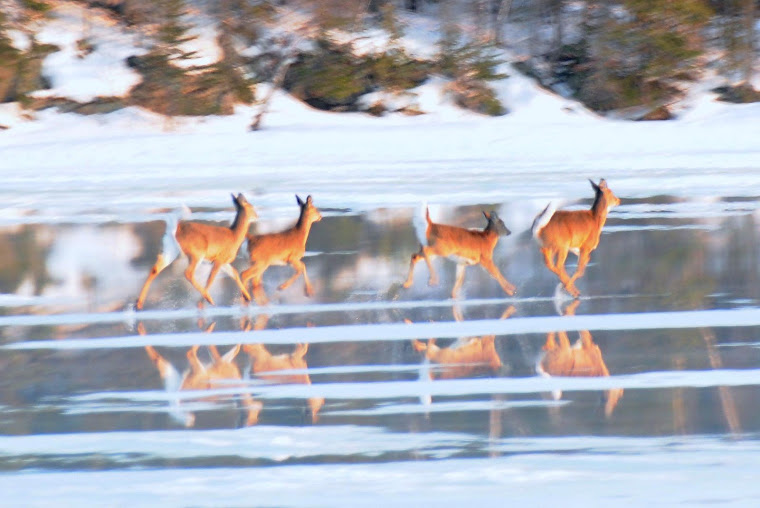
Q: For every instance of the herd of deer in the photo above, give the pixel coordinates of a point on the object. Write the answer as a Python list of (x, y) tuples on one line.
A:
[(557, 233)]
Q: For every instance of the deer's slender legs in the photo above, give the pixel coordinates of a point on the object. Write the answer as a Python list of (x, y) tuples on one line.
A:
[(491, 268), (298, 268), (461, 267), (233, 273), (308, 289), (428, 253), (583, 260), (549, 259), (255, 272), (410, 277), (563, 276), (192, 358), (190, 275), (160, 264)]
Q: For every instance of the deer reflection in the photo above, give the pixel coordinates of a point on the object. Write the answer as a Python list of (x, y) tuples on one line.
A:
[(269, 367), (584, 358), (202, 376), (468, 356)]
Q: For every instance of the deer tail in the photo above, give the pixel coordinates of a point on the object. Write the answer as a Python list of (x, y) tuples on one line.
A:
[(542, 219), (169, 246), (421, 223)]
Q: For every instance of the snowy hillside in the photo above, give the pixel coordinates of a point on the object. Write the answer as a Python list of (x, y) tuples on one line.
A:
[(543, 149)]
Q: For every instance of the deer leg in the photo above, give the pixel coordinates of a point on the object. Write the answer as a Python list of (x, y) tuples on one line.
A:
[(410, 278), (550, 343), (192, 358), (298, 268), (460, 279), (428, 253), (161, 263), (563, 277), (232, 272), (491, 268), (190, 275), (583, 260), (549, 260), (211, 277), (254, 273), (163, 366)]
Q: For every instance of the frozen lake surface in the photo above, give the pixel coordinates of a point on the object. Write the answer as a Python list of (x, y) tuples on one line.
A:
[(670, 299)]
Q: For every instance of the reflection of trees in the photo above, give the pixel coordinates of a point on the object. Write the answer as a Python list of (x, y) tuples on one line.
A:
[(22, 257)]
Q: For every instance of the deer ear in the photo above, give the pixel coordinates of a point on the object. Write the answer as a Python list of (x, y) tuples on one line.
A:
[(486, 215), (235, 201), (299, 201), (603, 183), (593, 185), (308, 199)]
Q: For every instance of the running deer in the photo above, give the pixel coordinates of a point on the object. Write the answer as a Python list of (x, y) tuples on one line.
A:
[(198, 241), (267, 366), (577, 231), (285, 247), (467, 356), (464, 246), (584, 358), (202, 376)]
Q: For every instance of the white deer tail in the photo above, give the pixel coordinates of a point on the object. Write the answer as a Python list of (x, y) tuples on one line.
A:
[(542, 219), (420, 223), (169, 246)]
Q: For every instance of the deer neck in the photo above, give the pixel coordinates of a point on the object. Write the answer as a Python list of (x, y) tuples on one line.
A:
[(240, 225), (302, 228), (599, 210), (490, 235)]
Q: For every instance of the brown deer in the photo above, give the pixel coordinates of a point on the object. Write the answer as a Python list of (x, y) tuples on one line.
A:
[(467, 356), (584, 359), (265, 366), (577, 231), (199, 241), (464, 246), (285, 247), (202, 376)]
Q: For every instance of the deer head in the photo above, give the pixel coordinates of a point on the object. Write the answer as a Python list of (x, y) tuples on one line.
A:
[(496, 224), (309, 212)]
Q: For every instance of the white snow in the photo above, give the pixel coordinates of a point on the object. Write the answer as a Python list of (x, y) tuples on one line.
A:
[(544, 149)]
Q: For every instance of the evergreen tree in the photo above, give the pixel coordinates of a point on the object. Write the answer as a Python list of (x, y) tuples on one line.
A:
[(167, 60), (637, 52)]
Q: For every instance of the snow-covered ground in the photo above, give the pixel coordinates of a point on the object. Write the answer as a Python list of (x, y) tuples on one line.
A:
[(544, 149)]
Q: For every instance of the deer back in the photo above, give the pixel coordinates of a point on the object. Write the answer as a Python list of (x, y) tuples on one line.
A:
[(279, 248), (455, 241), (216, 243), (571, 229), (579, 228)]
